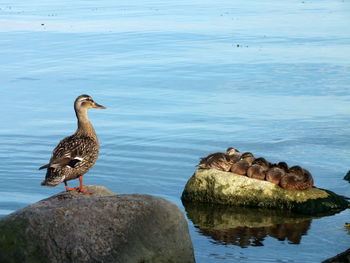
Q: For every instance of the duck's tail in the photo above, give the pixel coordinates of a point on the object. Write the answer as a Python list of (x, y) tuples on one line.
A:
[(47, 183), (52, 178), (44, 166)]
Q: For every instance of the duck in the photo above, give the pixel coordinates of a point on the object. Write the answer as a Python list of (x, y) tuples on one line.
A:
[(283, 165), (297, 178), (241, 167), (76, 154), (248, 156), (219, 160), (233, 153), (276, 172), (258, 169)]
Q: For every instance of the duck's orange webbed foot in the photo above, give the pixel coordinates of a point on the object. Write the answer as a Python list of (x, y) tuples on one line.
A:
[(69, 188), (80, 188), (83, 190)]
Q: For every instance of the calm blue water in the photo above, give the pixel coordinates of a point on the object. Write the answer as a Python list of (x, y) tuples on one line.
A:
[(182, 79)]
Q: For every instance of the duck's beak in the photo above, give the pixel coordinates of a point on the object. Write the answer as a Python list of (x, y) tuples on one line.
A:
[(98, 106)]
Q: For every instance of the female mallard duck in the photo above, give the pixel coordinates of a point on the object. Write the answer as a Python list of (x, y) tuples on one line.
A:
[(241, 167), (258, 169), (220, 161), (297, 178), (76, 154), (276, 172)]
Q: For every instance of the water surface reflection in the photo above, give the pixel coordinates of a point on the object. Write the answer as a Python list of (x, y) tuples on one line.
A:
[(245, 227)]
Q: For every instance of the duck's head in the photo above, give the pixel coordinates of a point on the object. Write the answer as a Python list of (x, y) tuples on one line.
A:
[(283, 165), (232, 151), (262, 161), (247, 155), (85, 102), (296, 169)]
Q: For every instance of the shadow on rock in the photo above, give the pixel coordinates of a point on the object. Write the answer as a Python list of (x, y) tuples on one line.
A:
[(245, 227)]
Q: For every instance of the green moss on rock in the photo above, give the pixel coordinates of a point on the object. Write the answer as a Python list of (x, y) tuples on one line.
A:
[(10, 242), (213, 186)]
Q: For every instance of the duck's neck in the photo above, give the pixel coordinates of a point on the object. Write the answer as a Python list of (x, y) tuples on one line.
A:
[(84, 125)]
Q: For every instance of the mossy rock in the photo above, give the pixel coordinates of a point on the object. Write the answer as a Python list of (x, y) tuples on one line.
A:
[(213, 186)]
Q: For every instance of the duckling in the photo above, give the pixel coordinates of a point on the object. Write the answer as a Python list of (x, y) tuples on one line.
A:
[(309, 180), (234, 153), (276, 172), (258, 169), (241, 167), (76, 154), (283, 165), (297, 178), (248, 156), (220, 161)]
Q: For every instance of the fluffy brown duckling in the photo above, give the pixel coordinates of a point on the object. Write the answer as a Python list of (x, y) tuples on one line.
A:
[(233, 153), (258, 169), (283, 166), (241, 167), (276, 172), (248, 156), (297, 178), (220, 161)]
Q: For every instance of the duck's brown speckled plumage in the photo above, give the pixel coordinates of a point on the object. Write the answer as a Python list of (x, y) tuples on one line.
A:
[(258, 169), (220, 161), (276, 172), (241, 167), (64, 156), (75, 154), (297, 178)]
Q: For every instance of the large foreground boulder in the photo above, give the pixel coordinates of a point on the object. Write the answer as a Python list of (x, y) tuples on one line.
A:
[(102, 227), (213, 186)]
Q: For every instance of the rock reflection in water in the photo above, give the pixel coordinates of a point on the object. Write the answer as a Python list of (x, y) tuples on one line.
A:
[(247, 226)]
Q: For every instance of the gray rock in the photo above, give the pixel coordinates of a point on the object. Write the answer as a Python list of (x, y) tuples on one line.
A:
[(343, 257), (347, 176), (102, 227), (213, 186)]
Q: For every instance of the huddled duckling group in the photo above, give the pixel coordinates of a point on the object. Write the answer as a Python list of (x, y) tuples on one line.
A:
[(291, 178)]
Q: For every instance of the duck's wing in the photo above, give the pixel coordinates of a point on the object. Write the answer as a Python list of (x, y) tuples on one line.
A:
[(219, 161), (71, 151), (65, 161), (205, 161)]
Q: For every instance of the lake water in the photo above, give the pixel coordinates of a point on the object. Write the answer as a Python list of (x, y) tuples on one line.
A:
[(182, 79)]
